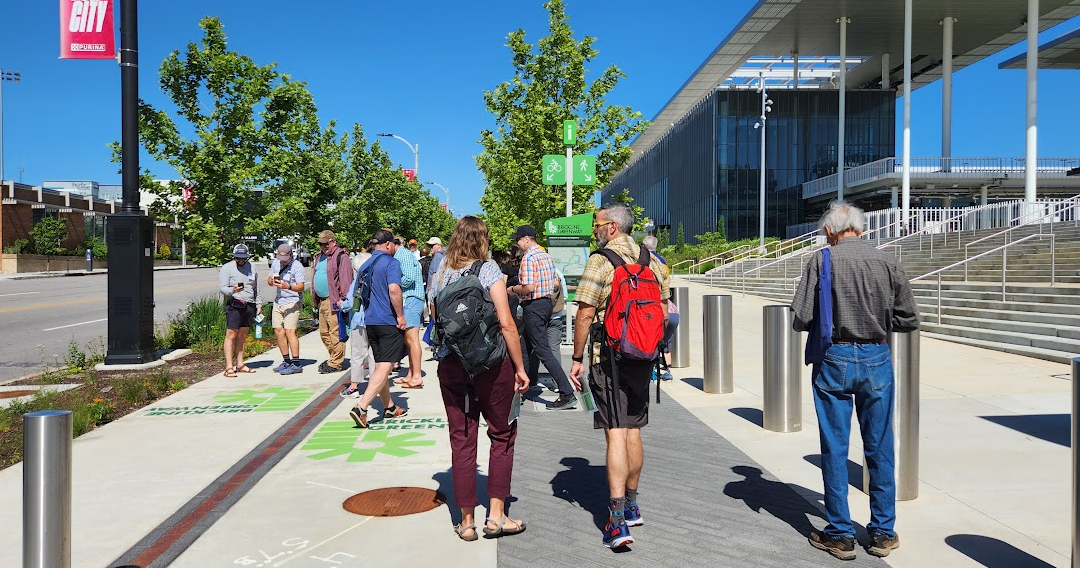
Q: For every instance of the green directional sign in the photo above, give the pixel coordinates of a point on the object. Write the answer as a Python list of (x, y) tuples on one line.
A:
[(569, 132), (553, 169), (584, 170)]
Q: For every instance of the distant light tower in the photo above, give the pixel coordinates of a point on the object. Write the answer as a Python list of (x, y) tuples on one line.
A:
[(766, 107), (415, 151), (14, 77), (445, 190)]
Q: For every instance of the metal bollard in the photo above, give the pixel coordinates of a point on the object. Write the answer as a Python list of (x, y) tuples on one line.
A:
[(904, 348), (782, 371), (47, 489), (1075, 429), (719, 372), (89, 260), (680, 344)]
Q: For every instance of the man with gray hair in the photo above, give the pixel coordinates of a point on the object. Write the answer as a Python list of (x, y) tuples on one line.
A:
[(852, 369), (620, 387)]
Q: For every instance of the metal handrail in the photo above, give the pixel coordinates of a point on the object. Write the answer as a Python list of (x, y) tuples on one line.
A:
[(927, 229), (1044, 215), (812, 247), (1004, 261), (731, 251), (673, 266)]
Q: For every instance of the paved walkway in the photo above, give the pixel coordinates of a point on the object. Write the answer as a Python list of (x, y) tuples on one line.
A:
[(252, 471)]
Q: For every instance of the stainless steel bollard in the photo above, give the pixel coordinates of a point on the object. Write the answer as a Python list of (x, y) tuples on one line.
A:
[(47, 489), (904, 348), (782, 371), (680, 344), (1075, 429), (719, 372)]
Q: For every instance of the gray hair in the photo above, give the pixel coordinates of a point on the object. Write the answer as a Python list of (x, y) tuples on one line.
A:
[(840, 217), (649, 242), (621, 214)]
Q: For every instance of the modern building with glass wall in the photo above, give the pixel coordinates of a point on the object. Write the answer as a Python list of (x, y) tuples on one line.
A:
[(699, 163)]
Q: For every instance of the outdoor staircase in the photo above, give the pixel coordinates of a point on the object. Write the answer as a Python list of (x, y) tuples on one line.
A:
[(1032, 318)]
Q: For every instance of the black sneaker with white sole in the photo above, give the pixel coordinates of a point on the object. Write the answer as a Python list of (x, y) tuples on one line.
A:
[(563, 403)]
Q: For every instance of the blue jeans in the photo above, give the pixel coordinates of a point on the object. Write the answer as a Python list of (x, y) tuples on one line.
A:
[(859, 376)]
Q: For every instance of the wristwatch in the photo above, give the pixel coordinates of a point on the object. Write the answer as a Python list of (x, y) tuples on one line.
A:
[(577, 359)]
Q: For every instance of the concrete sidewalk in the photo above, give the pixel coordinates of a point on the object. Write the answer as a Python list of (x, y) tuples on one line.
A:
[(253, 471)]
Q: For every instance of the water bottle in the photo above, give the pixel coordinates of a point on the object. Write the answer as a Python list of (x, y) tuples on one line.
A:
[(258, 326)]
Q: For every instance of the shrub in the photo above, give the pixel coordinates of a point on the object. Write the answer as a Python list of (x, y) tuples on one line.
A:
[(165, 251), (18, 247), (75, 359), (48, 234)]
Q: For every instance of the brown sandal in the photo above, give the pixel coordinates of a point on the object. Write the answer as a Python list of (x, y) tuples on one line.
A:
[(460, 530), (230, 372)]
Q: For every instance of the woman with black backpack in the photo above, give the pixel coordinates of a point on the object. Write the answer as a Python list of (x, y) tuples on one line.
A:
[(490, 390)]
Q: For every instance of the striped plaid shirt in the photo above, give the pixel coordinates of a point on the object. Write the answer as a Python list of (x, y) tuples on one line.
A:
[(538, 269), (412, 275)]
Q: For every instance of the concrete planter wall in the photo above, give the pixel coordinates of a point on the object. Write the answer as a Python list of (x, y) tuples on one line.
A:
[(18, 263)]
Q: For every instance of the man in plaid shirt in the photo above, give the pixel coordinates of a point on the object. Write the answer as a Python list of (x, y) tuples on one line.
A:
[(538, 281)]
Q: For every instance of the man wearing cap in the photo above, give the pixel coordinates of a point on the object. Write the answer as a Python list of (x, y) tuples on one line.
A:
[(384, 318), (537, 282), (239, 282), (287, 275), (330, 285), (436, 255)]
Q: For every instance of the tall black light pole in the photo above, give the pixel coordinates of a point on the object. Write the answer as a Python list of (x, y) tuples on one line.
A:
[(130, 234)]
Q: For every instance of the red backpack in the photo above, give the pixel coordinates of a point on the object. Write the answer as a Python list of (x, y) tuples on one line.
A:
[(634, 321)]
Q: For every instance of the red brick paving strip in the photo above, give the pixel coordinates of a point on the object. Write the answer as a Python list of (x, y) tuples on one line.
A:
[(214, 499)]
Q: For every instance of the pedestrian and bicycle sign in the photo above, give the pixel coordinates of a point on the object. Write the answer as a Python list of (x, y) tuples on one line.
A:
[(554, 169), (584, 170)]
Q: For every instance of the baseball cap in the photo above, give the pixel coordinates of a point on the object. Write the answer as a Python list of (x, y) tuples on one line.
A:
[(240, 251), (524, 231), (327, 236), (434, 241), (381, 236), (284, 252)]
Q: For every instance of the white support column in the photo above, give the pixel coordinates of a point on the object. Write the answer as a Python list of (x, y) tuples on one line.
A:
[(795, 64), (906, 160), (893, 203), (984, 217), (885, 68), (843, 111), (1030, 179), (946, 88)]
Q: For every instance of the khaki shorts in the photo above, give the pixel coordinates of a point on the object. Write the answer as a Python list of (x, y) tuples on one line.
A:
[(287, 317)]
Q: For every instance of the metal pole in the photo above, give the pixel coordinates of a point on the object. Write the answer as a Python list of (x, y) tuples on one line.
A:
[(782, 407), (569, 181), (416, 162), (904, 348), (719, 372), (906, 175), (1075, 435), (843, 108), (946, 90), (47, 489), (1, 124), (761, 191), (680, 344), (1031, 157)]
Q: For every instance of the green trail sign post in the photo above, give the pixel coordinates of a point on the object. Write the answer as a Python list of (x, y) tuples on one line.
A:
[(569, 132), (571, 169), (554, 169), (569, 239), (584, 170)]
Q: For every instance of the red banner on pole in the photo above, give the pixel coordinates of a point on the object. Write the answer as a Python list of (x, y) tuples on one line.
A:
[(410, 175), (86, 29)]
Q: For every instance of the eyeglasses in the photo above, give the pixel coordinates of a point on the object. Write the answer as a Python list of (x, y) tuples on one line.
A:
[(596, 226), (326, 244)]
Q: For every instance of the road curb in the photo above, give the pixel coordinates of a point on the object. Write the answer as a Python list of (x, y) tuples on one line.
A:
[(39, 275)]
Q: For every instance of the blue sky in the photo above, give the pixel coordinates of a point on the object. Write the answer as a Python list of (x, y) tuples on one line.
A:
[(418, 69)]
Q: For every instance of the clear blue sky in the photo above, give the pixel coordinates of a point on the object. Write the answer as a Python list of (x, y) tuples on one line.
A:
[(418, 69)]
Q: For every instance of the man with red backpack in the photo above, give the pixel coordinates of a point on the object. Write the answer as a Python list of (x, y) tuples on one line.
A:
[(622, 309)]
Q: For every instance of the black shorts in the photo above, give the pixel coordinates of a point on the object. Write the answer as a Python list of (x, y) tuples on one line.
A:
[(387, 343), (630, 407), (238, 315)]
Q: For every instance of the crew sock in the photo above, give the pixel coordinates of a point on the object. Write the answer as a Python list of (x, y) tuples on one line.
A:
[(616, 509)]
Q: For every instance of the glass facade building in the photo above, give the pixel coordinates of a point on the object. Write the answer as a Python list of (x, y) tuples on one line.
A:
[(707, 166)]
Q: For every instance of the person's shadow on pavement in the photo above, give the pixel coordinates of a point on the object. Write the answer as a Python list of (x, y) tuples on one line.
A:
[(776, 498), (585, 485)]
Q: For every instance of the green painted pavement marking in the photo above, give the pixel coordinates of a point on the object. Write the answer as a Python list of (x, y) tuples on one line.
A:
[(336, 439), (270, 399)]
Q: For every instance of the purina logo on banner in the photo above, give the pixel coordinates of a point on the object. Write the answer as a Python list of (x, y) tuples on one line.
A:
[(86, 29)]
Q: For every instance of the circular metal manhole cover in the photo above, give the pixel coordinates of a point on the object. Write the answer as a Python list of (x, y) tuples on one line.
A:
[(16, 393), (394, 501)]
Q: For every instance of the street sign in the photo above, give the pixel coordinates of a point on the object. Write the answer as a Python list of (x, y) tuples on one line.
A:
[(410, 175), (584, 170), (553, 169), (569, 132)]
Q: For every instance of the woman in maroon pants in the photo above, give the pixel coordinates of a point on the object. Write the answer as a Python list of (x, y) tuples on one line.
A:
[(493, 391)]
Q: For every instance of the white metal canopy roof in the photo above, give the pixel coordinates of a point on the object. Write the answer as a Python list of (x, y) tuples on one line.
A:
[(784, 27)]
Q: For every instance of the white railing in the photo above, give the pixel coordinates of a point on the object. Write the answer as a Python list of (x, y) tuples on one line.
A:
[(938, 167)]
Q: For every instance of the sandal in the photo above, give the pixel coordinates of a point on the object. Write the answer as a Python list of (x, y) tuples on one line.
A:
[(499, 530), (230, 372), (244, 369), (408, 385), (460, 530)]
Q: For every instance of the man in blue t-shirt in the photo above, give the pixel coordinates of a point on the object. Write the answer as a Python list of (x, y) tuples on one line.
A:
[(384, 319)]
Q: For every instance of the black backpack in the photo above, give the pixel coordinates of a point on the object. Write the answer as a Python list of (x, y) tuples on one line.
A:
[(466, 323)]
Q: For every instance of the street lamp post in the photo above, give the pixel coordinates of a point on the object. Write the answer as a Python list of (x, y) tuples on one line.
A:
[(766, 107), (447, 194), (14, 77), (415, 151)]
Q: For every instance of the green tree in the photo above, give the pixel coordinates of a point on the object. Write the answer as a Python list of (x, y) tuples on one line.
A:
[(49, 234), (235, 127), (640, 220), (680, 238), (721, 229), (549, 86)]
